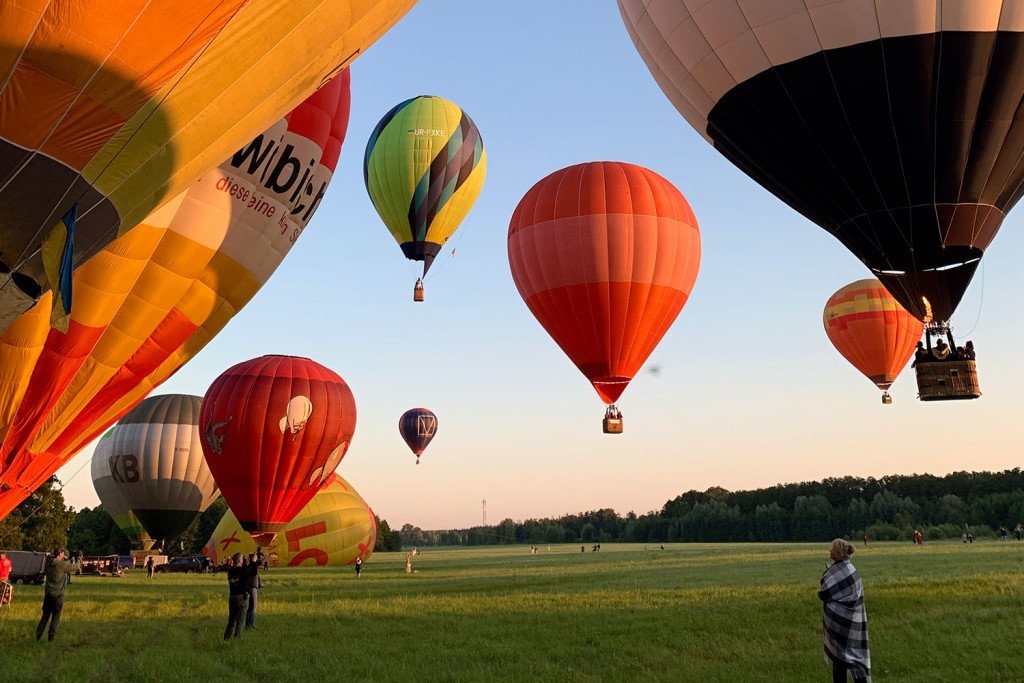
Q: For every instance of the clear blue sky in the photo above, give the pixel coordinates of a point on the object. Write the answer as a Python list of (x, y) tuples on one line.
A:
[(750, 392)]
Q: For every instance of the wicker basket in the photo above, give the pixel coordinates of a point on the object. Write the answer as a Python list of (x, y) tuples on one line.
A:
[(951, 380), (612, 425)]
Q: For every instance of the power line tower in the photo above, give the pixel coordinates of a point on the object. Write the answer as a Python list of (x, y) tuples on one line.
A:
[(483, 511)]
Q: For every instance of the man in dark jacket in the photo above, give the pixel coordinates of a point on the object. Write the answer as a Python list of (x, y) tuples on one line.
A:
[(254, 585), (57, 573), (238, 597)]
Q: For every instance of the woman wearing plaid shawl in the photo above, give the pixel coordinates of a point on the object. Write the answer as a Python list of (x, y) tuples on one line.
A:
[(846, 620)]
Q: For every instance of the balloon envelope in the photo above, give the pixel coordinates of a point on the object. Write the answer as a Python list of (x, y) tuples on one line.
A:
[(112, 497), (424, 168), (267, 467), (157, 461), (418, 426), (605, 255), (871, 330), (153, 298), (895, 126), (117, 107), (334, 528)]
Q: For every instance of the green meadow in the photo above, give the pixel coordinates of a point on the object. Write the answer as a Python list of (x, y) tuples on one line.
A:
[(691, 612)]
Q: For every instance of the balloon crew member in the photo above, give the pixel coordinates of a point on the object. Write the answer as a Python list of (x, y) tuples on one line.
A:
[(359, 566), (255, 583), (150, 566), (6, 589), (58, 573), (845, 620), (238, 597)]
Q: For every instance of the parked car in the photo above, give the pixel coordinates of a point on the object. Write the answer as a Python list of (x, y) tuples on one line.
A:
[(126, 562), (183, 564), (27, 566)]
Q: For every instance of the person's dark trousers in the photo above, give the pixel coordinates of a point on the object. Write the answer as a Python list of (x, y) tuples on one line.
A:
[(250, 616), (236, 615), (839, 670), (51, 612)]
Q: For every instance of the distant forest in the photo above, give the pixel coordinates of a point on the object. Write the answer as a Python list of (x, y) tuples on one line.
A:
[(886, 509)]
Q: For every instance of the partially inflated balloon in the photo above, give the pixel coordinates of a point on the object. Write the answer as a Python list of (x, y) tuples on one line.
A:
[(605, 255), (418, 427), (334, 528), (894, 125), (153, 298), (108, 489), (115, 107), (269, 456), (424, 168), (871, 330), (156, 460)]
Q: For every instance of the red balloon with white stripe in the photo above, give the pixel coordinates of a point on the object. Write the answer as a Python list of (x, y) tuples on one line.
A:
[(273, 430)]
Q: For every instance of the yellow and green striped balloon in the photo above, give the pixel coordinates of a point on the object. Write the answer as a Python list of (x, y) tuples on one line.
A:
[(424, 168)]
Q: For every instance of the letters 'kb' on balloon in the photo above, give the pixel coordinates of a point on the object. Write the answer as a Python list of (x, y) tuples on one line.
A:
[(334, 528), (267, 463), (114, 107), (157, 462), (107, 474), (605, 255), (418, 427), (895, 126), (153, 298), (871, 330)]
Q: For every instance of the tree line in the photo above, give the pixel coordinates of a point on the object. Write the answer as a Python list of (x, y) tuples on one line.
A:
[(886, 509)]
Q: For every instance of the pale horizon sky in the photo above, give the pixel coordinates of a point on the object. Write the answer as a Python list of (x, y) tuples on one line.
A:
[(750, 391)]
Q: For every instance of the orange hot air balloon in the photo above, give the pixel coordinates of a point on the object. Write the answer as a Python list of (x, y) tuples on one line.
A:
[(108, 108), (605, 255), (154, 297), (872, 331)]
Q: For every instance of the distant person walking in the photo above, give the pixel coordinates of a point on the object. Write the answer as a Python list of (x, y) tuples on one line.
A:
[(845, 618), (150, 566), (865, 540), (58, 571), (359, 566), (238, 597), (255, 584)]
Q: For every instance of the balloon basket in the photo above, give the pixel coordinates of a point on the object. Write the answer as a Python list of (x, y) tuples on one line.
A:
[(612, 425), (950, 380), (417, 461), (886, 398), (417, 291)]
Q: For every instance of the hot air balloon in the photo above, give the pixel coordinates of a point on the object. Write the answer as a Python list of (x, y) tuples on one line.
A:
[(418, 427), (111, 108), (153, 298), (895, 126), (334, 528), (156, 461), (605, 255), (424, 168), (112, 498), (872, 331), (268, 464)]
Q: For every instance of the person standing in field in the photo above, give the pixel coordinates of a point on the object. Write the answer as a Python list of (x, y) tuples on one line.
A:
[(865, 540), (255, 584), (58, 572), (150, 566), (845, 619), (238, 597), (6, 589), (359, 566)]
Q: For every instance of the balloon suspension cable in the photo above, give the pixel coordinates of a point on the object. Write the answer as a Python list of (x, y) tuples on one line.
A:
[(451, 255)]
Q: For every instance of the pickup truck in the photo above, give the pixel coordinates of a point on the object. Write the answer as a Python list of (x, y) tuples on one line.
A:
[(27, 566)]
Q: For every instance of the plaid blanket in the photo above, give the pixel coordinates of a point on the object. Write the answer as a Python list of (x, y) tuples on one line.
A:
[(846, 620)]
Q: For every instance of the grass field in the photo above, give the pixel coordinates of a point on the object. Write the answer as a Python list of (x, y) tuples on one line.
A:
[(693, 612)]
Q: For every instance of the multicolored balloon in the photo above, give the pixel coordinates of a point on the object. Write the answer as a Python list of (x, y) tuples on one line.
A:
[(895, 126), (157, 462), (268, 463), (152, 299), (334, 528), (418, 427), (116, 107), (424, 168), (605, 255), (872, 331), (108, 489)]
